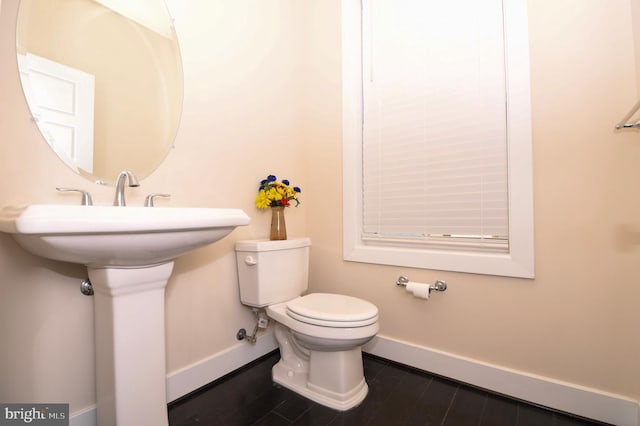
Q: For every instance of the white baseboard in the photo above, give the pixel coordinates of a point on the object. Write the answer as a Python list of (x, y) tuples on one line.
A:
[(85, 417), (582, 401), (194, 376)]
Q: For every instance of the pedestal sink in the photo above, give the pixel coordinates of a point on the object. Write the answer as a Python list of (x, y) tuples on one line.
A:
[(129, 253)]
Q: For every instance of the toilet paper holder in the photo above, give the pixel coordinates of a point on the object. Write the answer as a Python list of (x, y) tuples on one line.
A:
[(439, 285)]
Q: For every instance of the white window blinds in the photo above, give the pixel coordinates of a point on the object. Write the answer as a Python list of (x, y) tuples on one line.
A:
[(434, 122)]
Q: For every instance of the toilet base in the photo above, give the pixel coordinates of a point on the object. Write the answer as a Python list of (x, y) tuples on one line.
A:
[(341, 387)]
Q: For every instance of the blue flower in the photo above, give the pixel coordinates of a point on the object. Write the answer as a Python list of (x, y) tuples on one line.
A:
[(285, 181), (272, 178), (297, 189)]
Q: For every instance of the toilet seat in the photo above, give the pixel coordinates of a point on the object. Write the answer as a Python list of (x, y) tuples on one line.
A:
[(332, 310), (278, 312)]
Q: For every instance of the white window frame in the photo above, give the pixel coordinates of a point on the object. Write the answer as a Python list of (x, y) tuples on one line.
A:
[(519, 261)]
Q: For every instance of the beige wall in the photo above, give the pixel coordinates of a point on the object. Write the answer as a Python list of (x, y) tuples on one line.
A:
[(241, 121), (578, 320), (262, 95)]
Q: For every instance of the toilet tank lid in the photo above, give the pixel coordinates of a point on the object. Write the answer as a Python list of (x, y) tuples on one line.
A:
[(269, 245)]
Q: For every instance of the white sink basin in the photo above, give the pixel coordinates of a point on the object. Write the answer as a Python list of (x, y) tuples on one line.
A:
[(108, 236)]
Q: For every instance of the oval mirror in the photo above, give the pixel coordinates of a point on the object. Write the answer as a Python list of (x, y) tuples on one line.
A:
[(103, 80)]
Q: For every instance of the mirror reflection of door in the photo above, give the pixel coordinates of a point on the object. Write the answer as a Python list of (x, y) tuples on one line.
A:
[(131, 49), (61, 99)]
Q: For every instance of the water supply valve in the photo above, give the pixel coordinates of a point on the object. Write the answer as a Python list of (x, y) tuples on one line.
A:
[(262, 322)]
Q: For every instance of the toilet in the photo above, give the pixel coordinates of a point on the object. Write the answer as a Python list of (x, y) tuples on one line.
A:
[(319, 334)]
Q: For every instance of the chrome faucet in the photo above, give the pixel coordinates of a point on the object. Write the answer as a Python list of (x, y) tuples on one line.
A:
[(124, 176)]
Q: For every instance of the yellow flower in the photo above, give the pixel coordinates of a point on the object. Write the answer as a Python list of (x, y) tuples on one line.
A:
[(262, 200), (275, 194)]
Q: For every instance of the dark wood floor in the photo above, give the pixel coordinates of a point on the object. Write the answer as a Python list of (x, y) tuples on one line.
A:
[(398, 395)]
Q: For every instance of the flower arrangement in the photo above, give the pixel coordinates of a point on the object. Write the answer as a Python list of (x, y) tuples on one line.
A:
[(273, 193)]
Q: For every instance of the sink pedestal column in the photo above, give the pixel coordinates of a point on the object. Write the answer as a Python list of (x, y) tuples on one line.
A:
[(130, 344)]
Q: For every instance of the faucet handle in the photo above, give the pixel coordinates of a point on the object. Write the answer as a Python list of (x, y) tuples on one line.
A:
[(86, 197), (148, 202)]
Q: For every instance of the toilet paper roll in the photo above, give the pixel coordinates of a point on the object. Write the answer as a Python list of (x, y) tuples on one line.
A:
[(418, 289)]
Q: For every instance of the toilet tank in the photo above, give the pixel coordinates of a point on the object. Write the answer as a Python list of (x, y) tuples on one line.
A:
[(271, 272)]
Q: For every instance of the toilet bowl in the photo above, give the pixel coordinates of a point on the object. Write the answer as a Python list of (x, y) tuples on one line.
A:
[(320, 354), (319, 334)]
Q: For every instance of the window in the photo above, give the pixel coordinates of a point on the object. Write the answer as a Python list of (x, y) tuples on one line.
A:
[(437, 135)]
